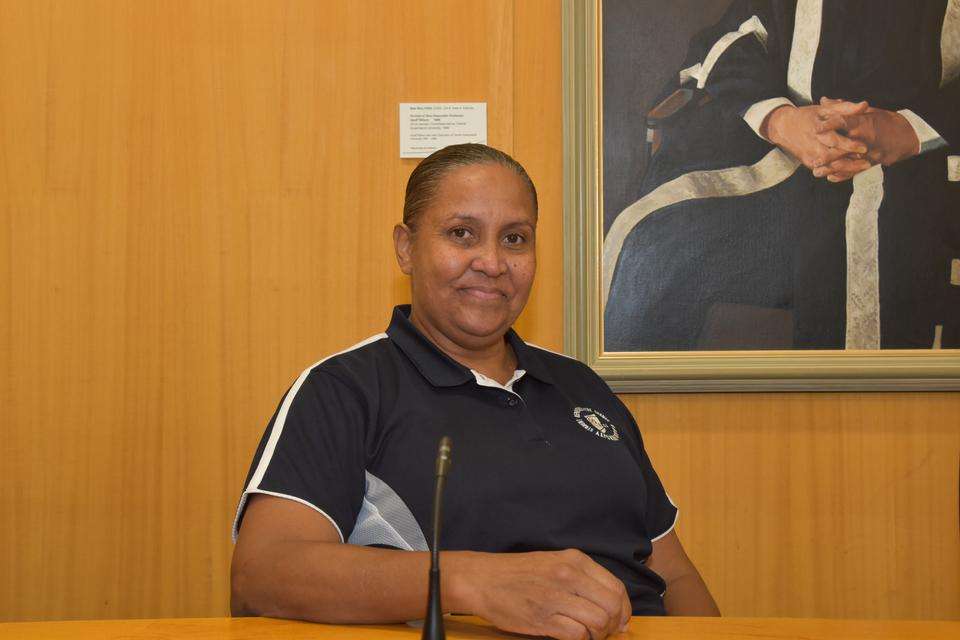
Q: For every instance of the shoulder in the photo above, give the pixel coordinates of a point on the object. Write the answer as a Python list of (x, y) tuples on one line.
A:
[(357, 366), (566, 369)]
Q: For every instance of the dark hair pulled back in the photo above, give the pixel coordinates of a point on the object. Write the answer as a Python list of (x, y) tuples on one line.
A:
[(425, 180)]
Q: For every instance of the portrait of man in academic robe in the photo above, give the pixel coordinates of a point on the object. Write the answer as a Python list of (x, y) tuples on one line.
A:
[(781, 174)]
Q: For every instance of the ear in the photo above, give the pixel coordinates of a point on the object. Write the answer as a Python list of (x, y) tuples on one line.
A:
[(402, 244)]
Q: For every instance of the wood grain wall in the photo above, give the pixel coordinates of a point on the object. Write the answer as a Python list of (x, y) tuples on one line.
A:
[(196, 200)]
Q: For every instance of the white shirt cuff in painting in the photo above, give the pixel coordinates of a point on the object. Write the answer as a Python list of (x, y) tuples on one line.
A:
[(758, 112), (927, 136)]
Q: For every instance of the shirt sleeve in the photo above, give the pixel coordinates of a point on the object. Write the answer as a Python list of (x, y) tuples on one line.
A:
[(936, 106), (928, 138), (312, 451), (732, 60), (661, 512), (758, 112)]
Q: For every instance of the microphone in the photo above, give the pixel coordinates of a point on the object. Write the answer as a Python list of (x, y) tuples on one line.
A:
[(433, 623)]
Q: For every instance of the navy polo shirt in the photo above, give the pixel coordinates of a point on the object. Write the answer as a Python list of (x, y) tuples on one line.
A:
[(550, 461)]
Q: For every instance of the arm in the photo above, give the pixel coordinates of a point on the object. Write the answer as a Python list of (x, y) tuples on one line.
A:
[(938, 110), (838, 139), (812, 135), (888, 136), (289, 563), (748, 76), (732, 59), (687, 594)]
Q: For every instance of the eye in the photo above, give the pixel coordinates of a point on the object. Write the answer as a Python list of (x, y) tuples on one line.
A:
[(461, 233), (514, 239)]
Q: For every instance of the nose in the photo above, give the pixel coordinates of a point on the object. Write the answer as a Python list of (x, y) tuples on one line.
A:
[(489, 259)]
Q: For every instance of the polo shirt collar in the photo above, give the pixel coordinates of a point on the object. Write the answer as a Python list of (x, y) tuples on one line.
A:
[(440, 369), (528, 359), (434, 365)]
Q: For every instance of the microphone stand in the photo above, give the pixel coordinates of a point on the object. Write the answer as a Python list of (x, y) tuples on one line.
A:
[(433, 623)]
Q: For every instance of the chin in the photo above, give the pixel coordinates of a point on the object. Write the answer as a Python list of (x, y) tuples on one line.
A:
[(481, 323)]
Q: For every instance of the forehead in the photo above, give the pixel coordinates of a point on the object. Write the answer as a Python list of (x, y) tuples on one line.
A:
[(483, 190)]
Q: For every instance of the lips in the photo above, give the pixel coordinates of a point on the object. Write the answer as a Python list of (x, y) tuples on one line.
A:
[(483, 293)]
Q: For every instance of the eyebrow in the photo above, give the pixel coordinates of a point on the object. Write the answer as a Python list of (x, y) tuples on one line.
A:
[(468, 217), (464, 216)]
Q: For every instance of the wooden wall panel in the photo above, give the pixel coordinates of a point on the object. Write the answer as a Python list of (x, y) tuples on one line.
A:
[(196, 200), (537, 144), (818, 505)]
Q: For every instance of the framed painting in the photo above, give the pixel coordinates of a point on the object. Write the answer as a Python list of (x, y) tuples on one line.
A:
[(761, 196)]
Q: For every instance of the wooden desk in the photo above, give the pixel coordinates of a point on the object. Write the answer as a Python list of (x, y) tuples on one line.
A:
[(469, 628)]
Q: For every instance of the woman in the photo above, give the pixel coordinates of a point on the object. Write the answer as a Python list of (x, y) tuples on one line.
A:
[(555, 523)]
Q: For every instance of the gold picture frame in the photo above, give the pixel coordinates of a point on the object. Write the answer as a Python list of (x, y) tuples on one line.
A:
[(906, 370)]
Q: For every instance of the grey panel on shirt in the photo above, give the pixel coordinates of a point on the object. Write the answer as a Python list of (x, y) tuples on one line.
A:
[(384, 519)]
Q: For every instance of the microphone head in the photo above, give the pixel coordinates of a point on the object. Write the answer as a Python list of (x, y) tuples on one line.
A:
[(443, 456)]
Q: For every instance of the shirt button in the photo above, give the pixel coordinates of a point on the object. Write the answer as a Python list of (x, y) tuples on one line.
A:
[(511, 401)]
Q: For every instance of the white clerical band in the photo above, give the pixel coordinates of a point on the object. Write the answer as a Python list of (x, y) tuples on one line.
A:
[(803, 52), (863, 260), (701, 71), (772, 169), (950, 44), (953, 168)]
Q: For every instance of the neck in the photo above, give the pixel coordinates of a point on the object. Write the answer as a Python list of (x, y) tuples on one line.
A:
[(495, 360)]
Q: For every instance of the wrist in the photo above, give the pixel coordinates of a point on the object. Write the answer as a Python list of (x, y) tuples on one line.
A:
[(911, 139), (457, 589), (773, 124)]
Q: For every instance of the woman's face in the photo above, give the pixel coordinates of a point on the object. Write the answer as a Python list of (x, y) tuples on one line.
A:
[(471, 259)]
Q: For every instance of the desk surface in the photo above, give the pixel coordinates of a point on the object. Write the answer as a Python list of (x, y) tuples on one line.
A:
[(468, 628)]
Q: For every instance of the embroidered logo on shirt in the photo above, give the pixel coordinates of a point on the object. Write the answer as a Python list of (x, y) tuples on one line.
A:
[(596, 423)]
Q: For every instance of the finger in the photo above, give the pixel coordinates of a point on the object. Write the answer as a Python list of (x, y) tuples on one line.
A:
[(839, 177), (564, 628), (605, 600), (603, 576), (821, 172), (627, 612), (875, 156), (822, 156), (859, 107), (586, 612), (826, 106), (856, 131), (843, 107), (614, 584), (830, 122), (849, 165), (825, 155), (846, 165), (574, 581), (835, 140), (860, 128)]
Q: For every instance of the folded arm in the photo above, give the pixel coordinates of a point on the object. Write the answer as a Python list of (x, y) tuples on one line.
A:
[(289, 563), (686, 594)]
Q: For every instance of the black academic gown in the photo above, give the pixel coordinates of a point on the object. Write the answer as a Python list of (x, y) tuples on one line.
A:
[(768, 269)]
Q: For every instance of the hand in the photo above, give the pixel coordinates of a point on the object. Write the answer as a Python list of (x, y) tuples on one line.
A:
[(795, 130), (561, 594), (832, 117), (887, 134)]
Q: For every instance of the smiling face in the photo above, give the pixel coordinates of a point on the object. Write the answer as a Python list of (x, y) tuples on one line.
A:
[(471, 257)]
